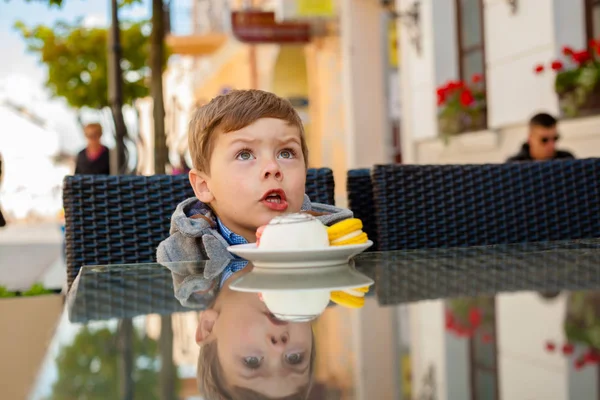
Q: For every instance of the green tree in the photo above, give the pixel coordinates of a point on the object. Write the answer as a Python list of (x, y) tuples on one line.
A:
[(76, 58), (89, 367)]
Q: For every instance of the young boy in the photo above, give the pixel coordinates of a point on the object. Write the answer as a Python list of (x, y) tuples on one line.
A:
[(250, 160)]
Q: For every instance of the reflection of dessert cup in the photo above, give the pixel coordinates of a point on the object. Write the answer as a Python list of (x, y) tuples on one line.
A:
[(293, 232), (296, 306), (347, 232)]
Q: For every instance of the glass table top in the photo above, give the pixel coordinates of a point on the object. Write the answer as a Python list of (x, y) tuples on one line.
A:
[(495, 322)]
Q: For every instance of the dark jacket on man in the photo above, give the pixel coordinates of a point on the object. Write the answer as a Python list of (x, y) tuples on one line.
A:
[(525, 155)]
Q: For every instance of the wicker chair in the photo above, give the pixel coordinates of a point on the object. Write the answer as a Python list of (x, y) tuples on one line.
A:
[(432, 206), (360, 201), (122, 219)]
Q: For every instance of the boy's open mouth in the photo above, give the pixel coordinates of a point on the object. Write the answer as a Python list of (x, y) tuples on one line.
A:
[(275, 199)]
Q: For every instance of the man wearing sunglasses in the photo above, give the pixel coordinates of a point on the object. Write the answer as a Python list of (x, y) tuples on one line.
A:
[(541, 144)]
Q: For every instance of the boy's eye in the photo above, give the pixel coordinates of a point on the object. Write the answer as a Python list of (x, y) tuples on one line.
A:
[(294, 358), (252, 362), (244, 155), (287, 153)]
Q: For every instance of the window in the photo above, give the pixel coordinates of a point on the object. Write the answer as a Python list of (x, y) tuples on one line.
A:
[(483, 356), (471, 46), (592, 19)]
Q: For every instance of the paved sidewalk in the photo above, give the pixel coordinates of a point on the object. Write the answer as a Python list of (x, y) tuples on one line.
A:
[(31, 253)]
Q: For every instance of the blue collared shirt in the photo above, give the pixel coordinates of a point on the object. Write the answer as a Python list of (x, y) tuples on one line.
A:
[(232, 239)]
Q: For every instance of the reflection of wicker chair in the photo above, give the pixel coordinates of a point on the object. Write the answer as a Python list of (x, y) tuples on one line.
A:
[(425, 274), (122, 219), (420, 206), (360, 201), (123, 292)]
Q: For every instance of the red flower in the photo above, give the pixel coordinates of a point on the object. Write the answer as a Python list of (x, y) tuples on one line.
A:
[(567, 51), (581, 57), (466, 98), (450, 322), (579, 364), (568, 349), (453, 85), (557, 65), (550, 346), (591, 357), (539, 69), (592, 43), (475, 313), (441, 96), (477, 78)]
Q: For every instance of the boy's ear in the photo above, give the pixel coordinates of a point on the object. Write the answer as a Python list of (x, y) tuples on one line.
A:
[(199, 182), (206, 322)]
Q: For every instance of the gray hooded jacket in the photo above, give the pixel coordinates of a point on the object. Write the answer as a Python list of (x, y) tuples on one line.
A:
[(194, 236)]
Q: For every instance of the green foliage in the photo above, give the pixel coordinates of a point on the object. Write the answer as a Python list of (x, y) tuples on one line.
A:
[(89, 367), (4, 292), (462, 307), (77, 60), (461, 106), (36, 289), (51, 3), (582, 324), (59, 3), (574, 86)]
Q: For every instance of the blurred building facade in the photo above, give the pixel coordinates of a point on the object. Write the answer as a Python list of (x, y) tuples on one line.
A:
[(338, 79), (503, 42)]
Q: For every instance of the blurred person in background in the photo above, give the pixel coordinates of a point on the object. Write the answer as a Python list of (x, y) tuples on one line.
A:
[(94, 159), (542, 140)]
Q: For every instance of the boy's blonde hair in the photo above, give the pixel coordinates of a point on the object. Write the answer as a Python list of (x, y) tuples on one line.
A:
[(231, 112), (212, 385)]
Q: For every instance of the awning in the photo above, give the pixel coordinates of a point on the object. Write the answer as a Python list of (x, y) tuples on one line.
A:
[(196, 45)]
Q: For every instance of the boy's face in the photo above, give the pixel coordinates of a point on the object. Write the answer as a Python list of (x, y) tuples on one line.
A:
[(255, 350), (256, 173)]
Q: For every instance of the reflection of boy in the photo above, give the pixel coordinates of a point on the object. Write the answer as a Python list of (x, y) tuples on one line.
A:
[(250, 159), (255, 356)]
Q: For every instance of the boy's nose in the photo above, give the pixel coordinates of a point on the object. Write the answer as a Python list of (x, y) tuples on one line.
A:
[(279, 339), (272, 170)]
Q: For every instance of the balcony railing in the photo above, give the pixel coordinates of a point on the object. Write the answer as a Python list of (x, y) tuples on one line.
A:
[(198, 27)]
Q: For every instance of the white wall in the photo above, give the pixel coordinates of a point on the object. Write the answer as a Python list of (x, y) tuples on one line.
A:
[(526, 370), (428, 348), (514, 44)]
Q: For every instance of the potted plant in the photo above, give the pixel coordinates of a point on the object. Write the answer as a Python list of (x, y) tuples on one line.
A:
[(582, 330), (466, 317), (577, 81), (461, 106)]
